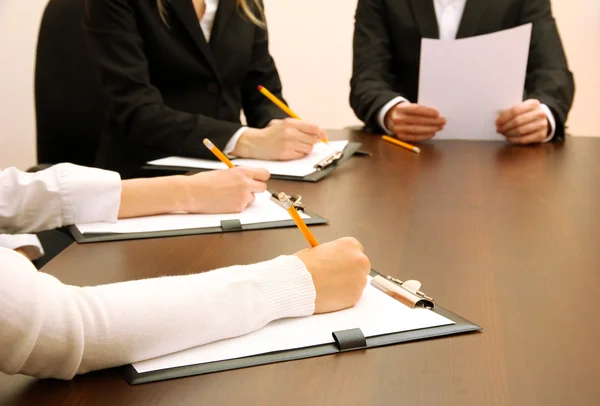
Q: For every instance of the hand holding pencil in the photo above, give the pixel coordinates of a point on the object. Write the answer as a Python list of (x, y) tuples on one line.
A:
[(338, 269), (281, 140)]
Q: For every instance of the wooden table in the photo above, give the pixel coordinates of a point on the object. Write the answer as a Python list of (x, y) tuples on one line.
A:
[(505, 236)]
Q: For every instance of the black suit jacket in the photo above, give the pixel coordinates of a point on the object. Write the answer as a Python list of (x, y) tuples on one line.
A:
[(168, 88), (387, 47)]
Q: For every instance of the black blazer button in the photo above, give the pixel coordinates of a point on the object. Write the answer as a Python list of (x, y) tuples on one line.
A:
[(212, 88)]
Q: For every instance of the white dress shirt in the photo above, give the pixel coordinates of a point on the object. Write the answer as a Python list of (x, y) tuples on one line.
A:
[(449, 14), (49, 329), (206, 23)]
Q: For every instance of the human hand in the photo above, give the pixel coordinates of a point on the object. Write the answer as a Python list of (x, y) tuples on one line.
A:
[(223, 191), (414, 122), (524, 123), (22, 251), (339, 272), (281, 140)]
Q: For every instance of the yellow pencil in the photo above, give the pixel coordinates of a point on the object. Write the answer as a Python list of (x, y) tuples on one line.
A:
[(402, 144), (213, 148), (280, 104), (287, 204)]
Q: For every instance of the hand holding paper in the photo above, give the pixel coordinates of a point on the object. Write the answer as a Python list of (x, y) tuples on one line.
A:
[(524, 123), (414, 122), (470, 80)]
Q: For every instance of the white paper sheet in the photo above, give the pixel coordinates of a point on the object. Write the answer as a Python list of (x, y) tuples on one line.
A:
[(376, 313), (298, 167), (469, 81), (263, 210)]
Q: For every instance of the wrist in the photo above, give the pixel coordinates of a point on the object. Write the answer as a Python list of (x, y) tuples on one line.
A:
[(387, 121), (21, 250), (182, 194), (247, 143)]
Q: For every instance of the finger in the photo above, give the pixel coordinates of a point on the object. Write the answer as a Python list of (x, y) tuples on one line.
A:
[(521, 131), (250, 199), (520, 108), (532, 138), (260, 174), (418, 110), (303, 148), (417, 129), (295, 135), (522, 119), (418, 120), (294, 155), (352, 242), (322, 134), (303, 126), (255, 186)]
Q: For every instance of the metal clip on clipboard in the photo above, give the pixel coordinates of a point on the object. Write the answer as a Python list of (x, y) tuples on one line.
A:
[(406, 292), (296, 201), (336, 156)]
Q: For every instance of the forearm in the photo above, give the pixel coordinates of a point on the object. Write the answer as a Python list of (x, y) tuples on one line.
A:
[(149, 196), (55, 330)]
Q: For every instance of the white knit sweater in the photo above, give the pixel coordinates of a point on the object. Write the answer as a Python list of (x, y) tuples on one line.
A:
[(49, 329)]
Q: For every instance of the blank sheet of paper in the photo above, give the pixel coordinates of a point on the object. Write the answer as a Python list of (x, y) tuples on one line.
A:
[(469, 81), (263, 210), (298, 167), (376, 313)]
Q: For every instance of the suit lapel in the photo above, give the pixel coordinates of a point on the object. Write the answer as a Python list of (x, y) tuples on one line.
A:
[(425, 17), (224, 11), (184, 10), (472, 16)]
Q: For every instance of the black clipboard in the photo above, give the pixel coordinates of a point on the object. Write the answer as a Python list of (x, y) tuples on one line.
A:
[(347, 340), (225, 227), (316, 176)]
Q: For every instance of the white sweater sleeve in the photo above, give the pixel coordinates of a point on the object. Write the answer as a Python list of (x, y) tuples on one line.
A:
[(60, 195), (48, 329)]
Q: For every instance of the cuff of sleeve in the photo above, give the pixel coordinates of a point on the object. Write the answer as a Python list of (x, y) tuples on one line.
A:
[(384, 110), (288, 287), (29, 243), (88, 194), (233, 141), (551, 121)]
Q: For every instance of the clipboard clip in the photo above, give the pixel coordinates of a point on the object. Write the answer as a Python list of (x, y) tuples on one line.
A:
[(406, 292), (296, 201), (330, 159)]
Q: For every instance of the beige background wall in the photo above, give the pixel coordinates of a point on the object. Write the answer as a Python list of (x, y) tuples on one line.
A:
[(314, 60)]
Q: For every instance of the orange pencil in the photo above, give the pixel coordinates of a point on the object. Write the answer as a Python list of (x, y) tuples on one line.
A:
[(280, 104), (402, 144), (287, 204), (213, 148)]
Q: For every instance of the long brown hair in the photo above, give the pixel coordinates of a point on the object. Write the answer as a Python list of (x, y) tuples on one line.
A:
[(245, 5)]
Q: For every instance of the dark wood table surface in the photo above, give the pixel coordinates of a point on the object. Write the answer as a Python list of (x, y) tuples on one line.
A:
[(507, 237)]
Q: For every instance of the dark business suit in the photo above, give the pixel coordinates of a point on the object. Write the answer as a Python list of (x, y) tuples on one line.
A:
[(169, 89), (387, 46)]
